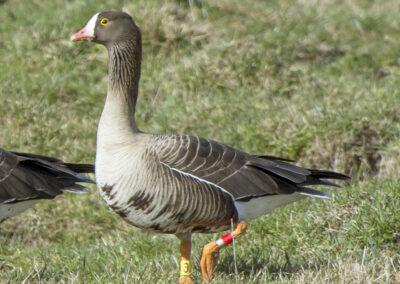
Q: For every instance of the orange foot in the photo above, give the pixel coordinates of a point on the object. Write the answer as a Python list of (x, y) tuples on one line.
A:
[(209, 260), (185, 280)]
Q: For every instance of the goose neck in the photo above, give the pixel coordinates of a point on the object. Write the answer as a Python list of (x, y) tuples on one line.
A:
[(124, 76)]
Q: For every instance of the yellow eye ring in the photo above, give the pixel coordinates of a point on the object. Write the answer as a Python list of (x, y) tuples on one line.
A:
[(104, 21)]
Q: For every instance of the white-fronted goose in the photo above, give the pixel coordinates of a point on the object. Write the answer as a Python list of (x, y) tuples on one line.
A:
[(27, 178), (180, 184)]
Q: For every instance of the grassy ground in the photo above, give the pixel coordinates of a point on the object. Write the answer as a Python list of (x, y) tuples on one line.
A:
[(316, 81)]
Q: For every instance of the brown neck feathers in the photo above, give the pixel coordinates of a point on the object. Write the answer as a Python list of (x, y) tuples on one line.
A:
[(124, 70)]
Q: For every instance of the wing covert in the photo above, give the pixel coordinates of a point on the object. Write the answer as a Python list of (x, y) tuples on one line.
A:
[(214, 163)]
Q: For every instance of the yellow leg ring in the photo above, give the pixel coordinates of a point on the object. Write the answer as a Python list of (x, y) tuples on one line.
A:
[(185, 268)]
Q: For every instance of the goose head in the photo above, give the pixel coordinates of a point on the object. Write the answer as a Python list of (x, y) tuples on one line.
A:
[(108, 28)]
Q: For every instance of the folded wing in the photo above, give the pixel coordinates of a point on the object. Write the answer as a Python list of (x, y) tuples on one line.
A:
[(243, 176), (27, 176)]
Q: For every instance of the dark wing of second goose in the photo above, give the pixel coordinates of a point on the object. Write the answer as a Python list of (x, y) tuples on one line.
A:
[(76, 168), (28, 177), (242, 175)]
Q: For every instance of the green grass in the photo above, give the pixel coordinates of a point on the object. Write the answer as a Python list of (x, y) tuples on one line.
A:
[(316, 81)]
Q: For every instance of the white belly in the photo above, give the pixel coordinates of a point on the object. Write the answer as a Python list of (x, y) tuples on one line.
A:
[(258, 207)]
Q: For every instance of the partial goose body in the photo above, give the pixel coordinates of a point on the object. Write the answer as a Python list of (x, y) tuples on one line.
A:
[(151, 196), (144, 191), (27, 178)]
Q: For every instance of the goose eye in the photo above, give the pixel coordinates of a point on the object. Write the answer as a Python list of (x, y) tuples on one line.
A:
[(104, 21)]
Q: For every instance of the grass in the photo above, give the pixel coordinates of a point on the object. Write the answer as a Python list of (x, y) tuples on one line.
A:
[(316, 81)]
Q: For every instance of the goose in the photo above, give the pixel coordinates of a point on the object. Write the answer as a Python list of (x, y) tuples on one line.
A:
[(180, 184), (27, 178)]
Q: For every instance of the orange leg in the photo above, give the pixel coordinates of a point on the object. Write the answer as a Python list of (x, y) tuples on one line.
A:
[(185, 265), (209, 258)]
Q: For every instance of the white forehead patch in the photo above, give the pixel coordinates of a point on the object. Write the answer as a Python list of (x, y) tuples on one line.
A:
[(89, 28)]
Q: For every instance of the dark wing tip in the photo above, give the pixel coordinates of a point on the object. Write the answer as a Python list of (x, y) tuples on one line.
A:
[(275, 158), (328, 174), (80, 168)]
